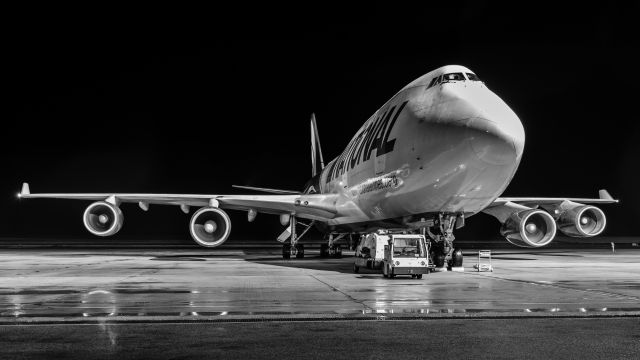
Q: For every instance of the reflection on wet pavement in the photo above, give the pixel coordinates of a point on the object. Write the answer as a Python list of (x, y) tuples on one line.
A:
[(193, 284)]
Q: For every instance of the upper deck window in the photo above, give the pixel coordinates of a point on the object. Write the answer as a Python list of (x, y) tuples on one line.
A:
[(473, 77)]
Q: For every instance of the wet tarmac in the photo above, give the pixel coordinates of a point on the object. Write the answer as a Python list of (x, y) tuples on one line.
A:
[(529, 338), (124, 285)]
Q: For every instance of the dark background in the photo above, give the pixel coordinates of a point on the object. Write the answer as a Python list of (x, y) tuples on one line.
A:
[(192, 100)]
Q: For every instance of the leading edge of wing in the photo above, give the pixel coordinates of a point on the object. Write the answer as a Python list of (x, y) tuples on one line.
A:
[(165, 199), (604, 198), (315, 205)]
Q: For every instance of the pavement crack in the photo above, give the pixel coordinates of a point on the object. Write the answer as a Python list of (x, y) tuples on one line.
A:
[(333, 288)]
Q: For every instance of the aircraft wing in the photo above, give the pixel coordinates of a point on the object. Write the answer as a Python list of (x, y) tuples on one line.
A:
[(603, 198), (310, 206), (502, 207)]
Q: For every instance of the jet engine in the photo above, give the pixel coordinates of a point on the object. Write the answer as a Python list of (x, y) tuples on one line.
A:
[(582, 221), (529, 228), (210, 227), (103, 219)]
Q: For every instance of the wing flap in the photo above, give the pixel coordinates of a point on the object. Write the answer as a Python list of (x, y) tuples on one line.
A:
[(267, 190), (316, 206)]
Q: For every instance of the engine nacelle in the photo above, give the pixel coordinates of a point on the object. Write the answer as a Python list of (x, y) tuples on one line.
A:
[(210, 227), (103, 219), (582, 221), (529, 228)]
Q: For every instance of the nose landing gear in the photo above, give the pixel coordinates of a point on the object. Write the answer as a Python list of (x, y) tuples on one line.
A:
[(456, 258), (441, 235)]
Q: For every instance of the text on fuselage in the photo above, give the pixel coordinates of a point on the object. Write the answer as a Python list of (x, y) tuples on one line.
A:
[(374, 135)]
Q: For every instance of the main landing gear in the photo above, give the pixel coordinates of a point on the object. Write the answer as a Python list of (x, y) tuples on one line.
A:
[(288, 251), (441, 235), (331, 249), (293, 248)]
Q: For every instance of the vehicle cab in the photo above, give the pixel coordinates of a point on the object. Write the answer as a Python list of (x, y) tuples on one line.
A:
[(406, 255)]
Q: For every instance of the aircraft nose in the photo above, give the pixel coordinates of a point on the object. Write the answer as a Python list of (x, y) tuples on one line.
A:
[(496, 141), (493, 130)]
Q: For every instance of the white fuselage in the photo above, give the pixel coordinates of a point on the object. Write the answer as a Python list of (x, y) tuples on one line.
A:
[(451, 147)]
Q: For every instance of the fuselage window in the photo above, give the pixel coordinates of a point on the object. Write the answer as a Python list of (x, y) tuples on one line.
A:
[(473, 77)]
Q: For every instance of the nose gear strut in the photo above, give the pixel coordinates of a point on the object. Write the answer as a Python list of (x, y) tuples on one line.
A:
[(441, 235)]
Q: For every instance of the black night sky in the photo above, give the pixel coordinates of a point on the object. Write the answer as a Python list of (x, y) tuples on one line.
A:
[(194, 100)]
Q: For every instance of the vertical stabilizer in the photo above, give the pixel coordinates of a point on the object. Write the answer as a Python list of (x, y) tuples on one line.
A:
[(315, 147)]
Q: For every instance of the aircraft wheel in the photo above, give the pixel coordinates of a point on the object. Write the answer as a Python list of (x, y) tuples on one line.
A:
[(456, 258), (300, 253), (324, 250), (438, 259), (286, 251), (356, 268), (419, 276), (337, 251), (413, 276)]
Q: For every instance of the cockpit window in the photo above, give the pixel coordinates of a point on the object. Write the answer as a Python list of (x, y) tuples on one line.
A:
[(453, 77), (473, 77)]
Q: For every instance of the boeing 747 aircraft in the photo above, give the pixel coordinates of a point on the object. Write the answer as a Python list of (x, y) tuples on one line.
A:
[(442, 149)]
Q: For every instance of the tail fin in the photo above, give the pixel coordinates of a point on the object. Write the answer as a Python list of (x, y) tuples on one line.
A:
[(315, 147)]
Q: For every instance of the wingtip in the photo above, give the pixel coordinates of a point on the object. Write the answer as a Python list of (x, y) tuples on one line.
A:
[(25, 190), (604, 195)]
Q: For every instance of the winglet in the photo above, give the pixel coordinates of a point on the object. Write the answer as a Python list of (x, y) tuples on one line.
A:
[(604, 195), (25, 190)]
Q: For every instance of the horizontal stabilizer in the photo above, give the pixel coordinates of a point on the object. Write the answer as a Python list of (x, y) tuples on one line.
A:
[(267, 190)]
